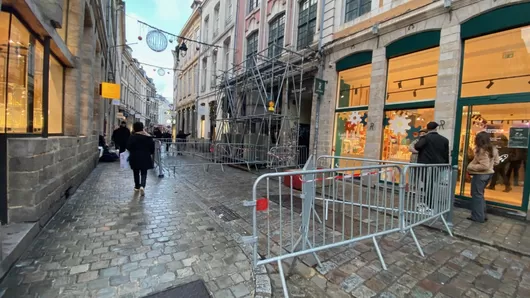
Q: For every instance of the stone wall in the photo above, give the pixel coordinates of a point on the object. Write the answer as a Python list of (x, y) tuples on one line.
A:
[(44, 172)]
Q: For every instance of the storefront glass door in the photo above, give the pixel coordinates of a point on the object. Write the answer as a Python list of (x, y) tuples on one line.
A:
[(508, 125)]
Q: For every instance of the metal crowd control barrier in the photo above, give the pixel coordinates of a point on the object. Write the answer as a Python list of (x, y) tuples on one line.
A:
[(287, 157), (353, 208), (158, 158), (241, 154)]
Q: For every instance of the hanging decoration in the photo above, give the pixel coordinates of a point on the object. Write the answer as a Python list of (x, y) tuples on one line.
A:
[(355, 118), (413, 132), (399, 124), (161, 72), (364, 119), (156, 40)]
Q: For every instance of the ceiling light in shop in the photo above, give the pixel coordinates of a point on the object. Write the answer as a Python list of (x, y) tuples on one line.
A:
[(400, 85), (489, 85)]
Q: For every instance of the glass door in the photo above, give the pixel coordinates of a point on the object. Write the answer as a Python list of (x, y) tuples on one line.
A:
[(508, 125)]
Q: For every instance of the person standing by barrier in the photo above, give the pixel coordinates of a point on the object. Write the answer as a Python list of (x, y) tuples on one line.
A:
[(433, 149), (181, 139), (413, 177), (141, 148), (120, 137), (481, 168)]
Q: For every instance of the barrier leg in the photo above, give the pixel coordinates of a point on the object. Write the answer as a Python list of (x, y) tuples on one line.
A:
[(383, 264), (282, 277), (446, 226), (420, 250)]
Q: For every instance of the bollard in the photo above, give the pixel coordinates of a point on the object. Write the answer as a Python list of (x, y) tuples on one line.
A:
[(454, 178)]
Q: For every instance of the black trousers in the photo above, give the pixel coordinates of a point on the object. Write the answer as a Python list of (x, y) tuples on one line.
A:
[(123, 148), (140, 178)]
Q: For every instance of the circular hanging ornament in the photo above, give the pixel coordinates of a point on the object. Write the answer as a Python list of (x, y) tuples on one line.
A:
[(161, 72), (156, 40)]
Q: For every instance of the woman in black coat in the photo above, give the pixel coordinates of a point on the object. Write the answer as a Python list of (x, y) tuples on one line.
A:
[(141, 147)]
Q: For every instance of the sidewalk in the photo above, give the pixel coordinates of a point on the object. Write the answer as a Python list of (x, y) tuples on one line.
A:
[(452, 267), (108, 242)]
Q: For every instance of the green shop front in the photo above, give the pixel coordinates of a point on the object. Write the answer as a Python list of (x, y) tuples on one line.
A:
[(494, 96)]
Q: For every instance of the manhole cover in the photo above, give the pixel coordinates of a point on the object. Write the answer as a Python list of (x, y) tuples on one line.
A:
[(225, 213)]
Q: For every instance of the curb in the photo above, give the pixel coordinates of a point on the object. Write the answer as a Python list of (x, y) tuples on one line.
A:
[(481, 241)]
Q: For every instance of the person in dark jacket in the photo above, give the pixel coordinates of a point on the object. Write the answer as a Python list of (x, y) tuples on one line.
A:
[(141, 148), (121, 136), (167, 138), (432, 149), (181, 138)]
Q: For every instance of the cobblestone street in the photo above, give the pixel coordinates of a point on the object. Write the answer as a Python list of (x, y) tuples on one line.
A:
[(108, 242)]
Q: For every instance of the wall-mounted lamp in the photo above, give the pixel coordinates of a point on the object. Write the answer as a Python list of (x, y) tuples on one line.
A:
[(447, 3), (489, 84)]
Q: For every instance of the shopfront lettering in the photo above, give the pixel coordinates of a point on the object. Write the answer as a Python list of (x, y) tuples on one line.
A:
[(442, 124), (371, 127)]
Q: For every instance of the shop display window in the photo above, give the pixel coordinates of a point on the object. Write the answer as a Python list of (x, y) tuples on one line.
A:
[(497, 63), (55, 111), (509, 126), (354, 87), (413, 77), (4, 39), (401, 128), (350, 136)]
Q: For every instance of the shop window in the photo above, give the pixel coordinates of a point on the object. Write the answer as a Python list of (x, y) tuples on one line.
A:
[(350, 136), (55, 112), (497, 63), (413, 77), (401, 128), (4, 36), (508, 126), (24, 81), (354, 87)]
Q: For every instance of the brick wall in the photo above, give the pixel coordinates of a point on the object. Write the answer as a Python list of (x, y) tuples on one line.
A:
[(43, 172)]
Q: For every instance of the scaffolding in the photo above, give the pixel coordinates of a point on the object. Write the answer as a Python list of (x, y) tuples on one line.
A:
[(258, 104)]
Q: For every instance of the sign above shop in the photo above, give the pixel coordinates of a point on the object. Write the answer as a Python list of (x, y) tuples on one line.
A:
[(518, 137), (109, 90), (320, 86)]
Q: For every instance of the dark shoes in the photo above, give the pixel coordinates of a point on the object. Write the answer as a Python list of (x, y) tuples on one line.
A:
[(471, 219)]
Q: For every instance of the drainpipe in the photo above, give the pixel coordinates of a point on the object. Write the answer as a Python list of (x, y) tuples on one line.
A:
[(320, 75)]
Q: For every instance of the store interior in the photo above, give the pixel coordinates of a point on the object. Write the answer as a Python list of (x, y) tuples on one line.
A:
[(498, 120)]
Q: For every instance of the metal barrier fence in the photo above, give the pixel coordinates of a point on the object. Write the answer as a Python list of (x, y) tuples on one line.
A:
[(203, 153), (241, 154), (353, 208), (287, 157)]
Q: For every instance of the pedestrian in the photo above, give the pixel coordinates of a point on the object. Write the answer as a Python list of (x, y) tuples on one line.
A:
[(167, 136), (413, 177), (181, 138), (120, 137), (141, 148), (481, 168), (433, 149)]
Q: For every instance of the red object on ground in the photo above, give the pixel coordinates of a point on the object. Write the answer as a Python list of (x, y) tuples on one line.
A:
[(262, 204), (296, 179)]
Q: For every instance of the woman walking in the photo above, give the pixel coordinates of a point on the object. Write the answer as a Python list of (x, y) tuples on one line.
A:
[(141, 147), (481, 170)]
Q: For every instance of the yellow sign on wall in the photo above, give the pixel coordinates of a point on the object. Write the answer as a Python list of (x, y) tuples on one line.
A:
[(110, 90)]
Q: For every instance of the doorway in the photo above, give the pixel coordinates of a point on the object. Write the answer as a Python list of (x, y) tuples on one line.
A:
[(508, 125)]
